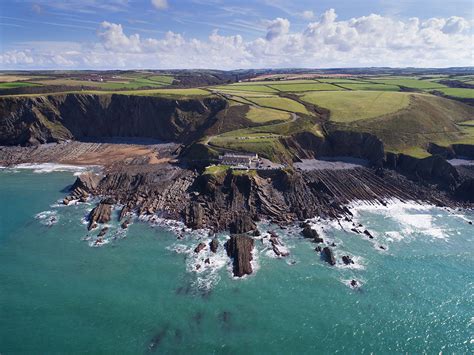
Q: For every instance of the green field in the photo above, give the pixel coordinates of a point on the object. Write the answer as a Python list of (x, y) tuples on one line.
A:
[(280, 103), (276, 82), (17, 84), (254, 88), (411, 83), (264, 115), (340, 81), (159, 92), (305, 87), (370, 86), (349, 106), (458, 92)]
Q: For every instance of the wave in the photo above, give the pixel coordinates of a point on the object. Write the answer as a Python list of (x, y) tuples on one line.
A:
[(410, 218), (48, 218), (41, 168)]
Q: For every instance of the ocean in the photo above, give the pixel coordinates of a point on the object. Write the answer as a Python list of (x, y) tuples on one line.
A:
[(141, 291)]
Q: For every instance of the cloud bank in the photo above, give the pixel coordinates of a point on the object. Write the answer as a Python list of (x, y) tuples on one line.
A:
[(372, 40)]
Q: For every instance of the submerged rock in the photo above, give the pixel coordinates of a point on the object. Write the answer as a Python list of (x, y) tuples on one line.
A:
[(103, 231), (328, 255), (239, 248)]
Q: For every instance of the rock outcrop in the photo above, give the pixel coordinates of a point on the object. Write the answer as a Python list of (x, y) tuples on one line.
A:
[(328, 255), (277, 246), (310, 233), (465, 191), (242, 224), (213, 245), (347, 260), (239, 248), (200, 247), (336, 144), (101, 213), (434, 169)]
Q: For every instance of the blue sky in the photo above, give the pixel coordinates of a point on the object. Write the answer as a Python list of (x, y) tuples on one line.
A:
[(157, 33)]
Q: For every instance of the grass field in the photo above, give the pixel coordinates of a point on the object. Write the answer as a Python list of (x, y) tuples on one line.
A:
[(350, 106), (17, 84), (276, 82), (253, 88), (341, 81), (458, 92), (264, 115), (125, 82), (427, 119), (8, 78), (280, 103), (411, 83), (264, 144), (370, 86), (305, 87), (159, 92), (182, 93)]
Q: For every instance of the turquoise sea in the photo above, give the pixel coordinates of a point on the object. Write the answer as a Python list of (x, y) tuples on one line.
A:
[(141, 292)]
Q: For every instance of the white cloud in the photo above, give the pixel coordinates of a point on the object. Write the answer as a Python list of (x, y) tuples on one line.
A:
[(307, 15), (160, 4), (278, 27), (371, 40)]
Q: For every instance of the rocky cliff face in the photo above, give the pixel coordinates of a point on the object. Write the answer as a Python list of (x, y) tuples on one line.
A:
[(434, 169), (43, 119), (337, 143)]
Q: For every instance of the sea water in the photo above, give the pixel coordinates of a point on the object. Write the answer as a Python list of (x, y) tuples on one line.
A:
[(142, 291)]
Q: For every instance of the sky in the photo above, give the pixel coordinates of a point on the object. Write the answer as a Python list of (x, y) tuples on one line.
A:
[(222, 34)]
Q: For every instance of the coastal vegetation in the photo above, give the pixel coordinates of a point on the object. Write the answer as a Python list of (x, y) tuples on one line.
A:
[(406, 112)]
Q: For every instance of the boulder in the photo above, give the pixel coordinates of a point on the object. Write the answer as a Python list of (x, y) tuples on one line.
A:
[(239, 248), (309, 232), (125, 224), (346, 259), (214, 244), (200, 247), (328, 255), (367, 233)]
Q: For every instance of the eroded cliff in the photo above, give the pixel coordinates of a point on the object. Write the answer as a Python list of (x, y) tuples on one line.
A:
[(44, 119)]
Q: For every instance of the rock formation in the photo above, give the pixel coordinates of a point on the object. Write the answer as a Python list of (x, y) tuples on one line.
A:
[(101, 213), (239, 248), (328, 255)]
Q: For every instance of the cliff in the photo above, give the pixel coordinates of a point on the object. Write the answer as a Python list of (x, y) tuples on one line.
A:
[(44, 119), (336, 144)]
